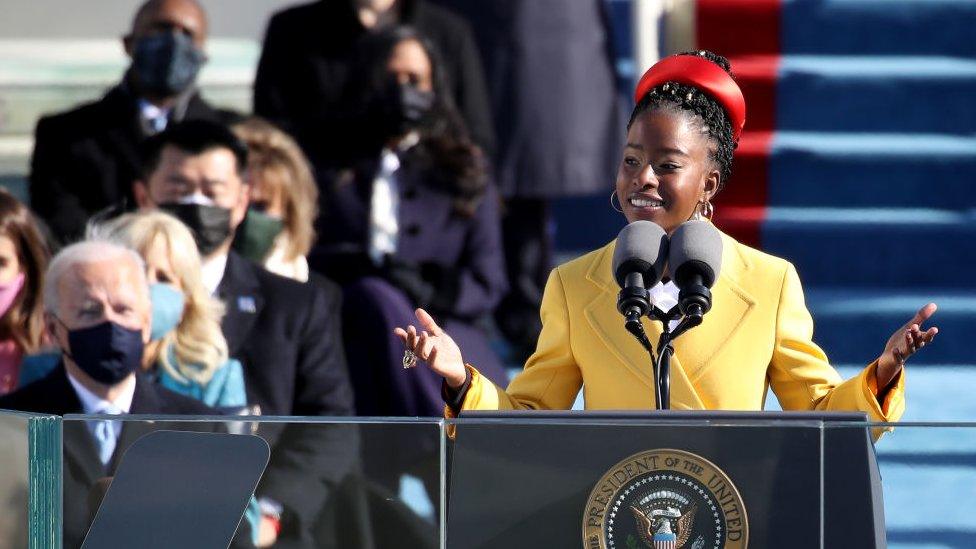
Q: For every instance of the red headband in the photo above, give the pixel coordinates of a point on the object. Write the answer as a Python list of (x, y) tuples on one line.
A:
[(700, 73)]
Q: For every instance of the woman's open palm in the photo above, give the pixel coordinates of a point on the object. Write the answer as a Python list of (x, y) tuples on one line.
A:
[(905, 342), (434, 347)]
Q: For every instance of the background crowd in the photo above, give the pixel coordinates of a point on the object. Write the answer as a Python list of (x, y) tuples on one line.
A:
[(179, 258)]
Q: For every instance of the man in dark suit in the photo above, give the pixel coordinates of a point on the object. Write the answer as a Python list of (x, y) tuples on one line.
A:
[(86, 160), (310, 53), (98, 312), (285, 333)]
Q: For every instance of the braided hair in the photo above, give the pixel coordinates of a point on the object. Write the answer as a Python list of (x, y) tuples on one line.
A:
[(710, 118)]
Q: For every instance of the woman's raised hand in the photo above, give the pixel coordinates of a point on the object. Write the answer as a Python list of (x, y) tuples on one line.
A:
[(905, 342), (433, 346)]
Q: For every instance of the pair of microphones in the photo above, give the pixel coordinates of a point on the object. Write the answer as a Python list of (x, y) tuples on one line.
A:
[(692, 256)]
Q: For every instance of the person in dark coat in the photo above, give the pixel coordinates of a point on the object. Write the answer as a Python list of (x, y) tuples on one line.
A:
[(98, 313), (310, 53), (286, 334), (415, 224), (85, 160), (558, 117)]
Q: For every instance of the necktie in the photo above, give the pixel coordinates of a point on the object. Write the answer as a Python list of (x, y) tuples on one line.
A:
[(158, 123), (104, 432)]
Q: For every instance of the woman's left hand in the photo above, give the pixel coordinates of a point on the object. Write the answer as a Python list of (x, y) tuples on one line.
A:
[(905, 342)]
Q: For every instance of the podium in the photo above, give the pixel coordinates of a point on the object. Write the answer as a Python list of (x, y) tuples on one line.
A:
[(532, 479), (664, 480)]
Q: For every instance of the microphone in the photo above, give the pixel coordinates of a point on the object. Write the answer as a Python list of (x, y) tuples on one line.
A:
[(638, 263), (695, 259)]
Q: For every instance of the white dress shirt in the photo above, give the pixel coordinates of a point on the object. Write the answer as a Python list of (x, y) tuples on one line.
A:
[(105, 432), (153, 118), (212, 271), (295, 269), (384, 208), (665, 297)]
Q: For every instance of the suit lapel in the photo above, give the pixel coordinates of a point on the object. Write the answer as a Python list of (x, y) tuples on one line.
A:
[(731, 304), (79, 446), (240, 291), (125, 132), (196, 109), (602, 315), (144, 401)]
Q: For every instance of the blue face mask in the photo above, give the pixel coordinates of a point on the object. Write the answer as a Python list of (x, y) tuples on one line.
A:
[(167, 309), (107, 352)]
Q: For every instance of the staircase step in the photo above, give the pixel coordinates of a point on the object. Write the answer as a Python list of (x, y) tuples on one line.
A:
[(870, 170), (22, 106), (847, 27), (935, 392), (38, 77), (860, 94), (873, 247), (738, 27), (940, 458), (878, 27), (853, 327)]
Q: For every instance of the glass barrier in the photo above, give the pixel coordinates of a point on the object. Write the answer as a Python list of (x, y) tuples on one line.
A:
[(346, 483), (537, 479), (30, 479)]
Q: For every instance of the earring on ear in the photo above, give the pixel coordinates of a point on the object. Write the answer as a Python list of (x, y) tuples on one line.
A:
[(615, 207), (705, 210)]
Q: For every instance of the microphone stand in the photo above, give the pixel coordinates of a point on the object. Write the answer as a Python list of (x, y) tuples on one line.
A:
[(634, 326), (665, 349), (634, 302)]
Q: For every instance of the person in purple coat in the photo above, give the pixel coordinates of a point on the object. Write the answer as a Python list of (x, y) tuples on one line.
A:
[(413, 223)]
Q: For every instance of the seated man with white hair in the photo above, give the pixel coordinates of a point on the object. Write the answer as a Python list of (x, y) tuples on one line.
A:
[(98, 313)]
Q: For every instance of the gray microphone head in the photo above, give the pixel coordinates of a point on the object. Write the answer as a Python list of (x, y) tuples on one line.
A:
[(696, 250), (642, 246)]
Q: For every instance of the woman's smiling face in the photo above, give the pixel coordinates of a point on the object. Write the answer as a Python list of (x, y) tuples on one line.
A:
[(666, 169)]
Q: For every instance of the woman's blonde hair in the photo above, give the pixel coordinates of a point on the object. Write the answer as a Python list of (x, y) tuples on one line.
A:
[(199, 345), (276, 159)]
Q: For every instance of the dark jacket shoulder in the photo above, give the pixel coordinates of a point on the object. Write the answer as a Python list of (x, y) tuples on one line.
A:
[(53, 394), (81, 119), (44, 396), (278, 287), (297, 15), (171, 403)]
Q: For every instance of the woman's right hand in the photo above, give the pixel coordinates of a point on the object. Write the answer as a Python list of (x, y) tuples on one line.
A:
[(433, 346)]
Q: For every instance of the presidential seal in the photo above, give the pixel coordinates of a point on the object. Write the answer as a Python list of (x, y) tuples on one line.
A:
[(665, 499)]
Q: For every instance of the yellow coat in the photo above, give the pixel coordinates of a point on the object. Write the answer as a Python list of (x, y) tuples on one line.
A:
[(758, 334)]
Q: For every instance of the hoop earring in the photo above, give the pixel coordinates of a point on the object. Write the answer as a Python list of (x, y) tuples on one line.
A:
[(705, 210), (616, 208)]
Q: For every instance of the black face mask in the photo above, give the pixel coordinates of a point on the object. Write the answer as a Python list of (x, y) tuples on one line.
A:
[(406, 108), (107, 352), (414, 104), (210, 225), (166, 64)]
